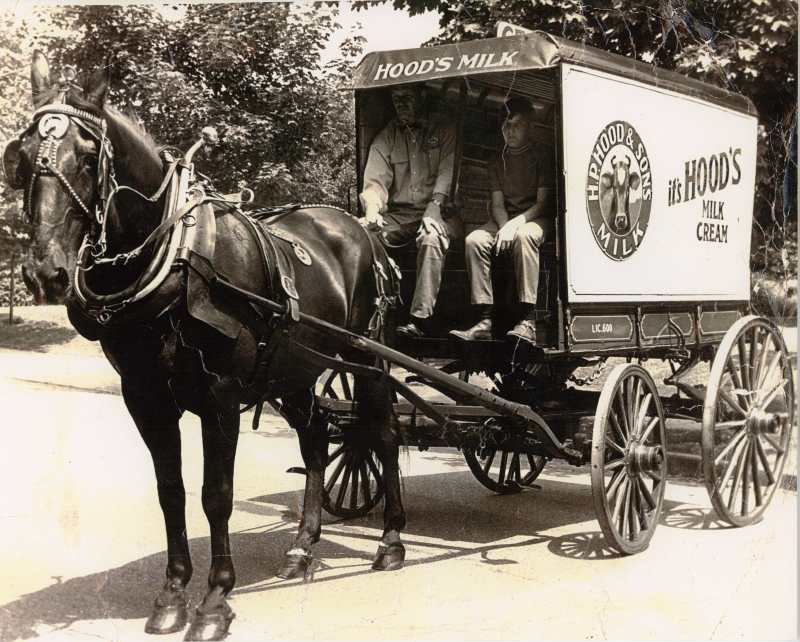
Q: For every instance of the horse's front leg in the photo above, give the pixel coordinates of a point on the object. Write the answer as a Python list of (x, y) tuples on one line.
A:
[(375, 411), (312, 431), (158, 425), (220, 435)]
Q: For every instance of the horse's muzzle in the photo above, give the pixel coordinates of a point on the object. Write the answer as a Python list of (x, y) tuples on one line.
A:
[(48, 283)]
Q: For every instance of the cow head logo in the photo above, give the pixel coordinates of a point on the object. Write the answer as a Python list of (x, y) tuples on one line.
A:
[(619, 190)]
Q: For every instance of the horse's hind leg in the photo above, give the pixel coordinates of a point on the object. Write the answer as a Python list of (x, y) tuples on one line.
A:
[(158, 426), (312, 431), (220, 434), (375, 411)]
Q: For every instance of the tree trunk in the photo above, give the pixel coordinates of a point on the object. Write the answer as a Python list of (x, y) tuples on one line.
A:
[(11, 288)]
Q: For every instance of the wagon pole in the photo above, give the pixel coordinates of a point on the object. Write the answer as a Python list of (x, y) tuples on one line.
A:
[(452, 384)]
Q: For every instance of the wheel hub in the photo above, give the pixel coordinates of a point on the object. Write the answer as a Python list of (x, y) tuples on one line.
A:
[(642, 459), (760, 422)]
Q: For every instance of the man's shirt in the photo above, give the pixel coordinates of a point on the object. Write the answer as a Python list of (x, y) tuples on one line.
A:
[(519, 175), (407, 165)]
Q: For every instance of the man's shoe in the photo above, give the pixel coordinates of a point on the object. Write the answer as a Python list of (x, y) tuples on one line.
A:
[(481, 331), (524, 331), (411, 329)]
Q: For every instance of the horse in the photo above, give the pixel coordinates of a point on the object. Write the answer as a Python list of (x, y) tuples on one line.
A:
[(95, 197)]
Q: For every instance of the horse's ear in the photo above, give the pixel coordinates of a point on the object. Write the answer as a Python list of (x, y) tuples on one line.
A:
[(97, 86), (40, 73)]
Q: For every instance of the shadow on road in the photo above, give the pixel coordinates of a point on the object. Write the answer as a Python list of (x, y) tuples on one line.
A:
[(448, 518)]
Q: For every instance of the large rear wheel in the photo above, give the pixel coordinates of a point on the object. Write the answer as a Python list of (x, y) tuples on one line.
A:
[(747, 420), (629, 459)]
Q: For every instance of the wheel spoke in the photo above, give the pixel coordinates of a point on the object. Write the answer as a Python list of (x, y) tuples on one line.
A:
[(732, 464), (642, 413), (626, 432), (489, 460), (343, 486), (780, 450), (613, 465), (764, 461), (654, 476), (646, 493), (335, 475), (625, 511), (733, 404), (637, 397), (336, 453), (620, 501), (753, 352), (746, 478), (354, 488), (616, 480), (374, 468), (724, 425), (611, 444), (653, 423), (744, 361), (778, 388), (737, 478), (733, 443), (773, 364), (503, 461), (612, 418), (734, 372), (345, 386), (635, 516), (762, 360), (754, 472), (516, 470)]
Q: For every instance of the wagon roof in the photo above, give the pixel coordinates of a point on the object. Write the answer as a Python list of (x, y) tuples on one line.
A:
[(535, 50)]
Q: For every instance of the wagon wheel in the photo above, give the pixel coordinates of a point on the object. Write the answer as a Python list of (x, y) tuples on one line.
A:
[(629, 463), (508, 467), (747, 420), (353, 478)]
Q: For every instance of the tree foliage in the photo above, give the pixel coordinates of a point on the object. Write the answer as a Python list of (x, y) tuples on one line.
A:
[(250, 70)]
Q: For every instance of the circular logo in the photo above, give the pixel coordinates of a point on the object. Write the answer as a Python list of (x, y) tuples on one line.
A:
[(619, 190)]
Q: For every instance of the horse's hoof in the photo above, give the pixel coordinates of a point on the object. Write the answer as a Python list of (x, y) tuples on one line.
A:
[(389, 558), (211, 626), (294, 566), (168, 619)]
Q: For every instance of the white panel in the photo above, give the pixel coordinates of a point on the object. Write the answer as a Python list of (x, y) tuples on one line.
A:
[(695, 249)]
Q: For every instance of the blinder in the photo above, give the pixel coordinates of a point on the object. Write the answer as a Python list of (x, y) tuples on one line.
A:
[(11, 164)]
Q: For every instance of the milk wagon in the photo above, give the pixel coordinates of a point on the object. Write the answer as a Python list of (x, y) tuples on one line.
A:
[(649, 261)]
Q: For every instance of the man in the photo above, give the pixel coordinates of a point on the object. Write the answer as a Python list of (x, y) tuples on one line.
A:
[(522, 180), (406, 179)]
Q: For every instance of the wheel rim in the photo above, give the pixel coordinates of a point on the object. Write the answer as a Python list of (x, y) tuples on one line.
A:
[(354, 476), (629, 459), (747, 420)]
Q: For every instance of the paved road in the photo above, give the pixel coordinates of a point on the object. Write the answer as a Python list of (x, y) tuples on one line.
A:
[(83, 544)]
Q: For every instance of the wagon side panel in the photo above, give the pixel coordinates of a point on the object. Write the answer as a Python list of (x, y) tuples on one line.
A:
[(659, 193)]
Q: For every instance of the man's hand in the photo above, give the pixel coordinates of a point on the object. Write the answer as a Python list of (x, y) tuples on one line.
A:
[(372, 219), (505, 237), (432, 221)]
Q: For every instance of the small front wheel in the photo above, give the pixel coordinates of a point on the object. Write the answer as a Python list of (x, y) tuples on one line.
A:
[(629, 459)]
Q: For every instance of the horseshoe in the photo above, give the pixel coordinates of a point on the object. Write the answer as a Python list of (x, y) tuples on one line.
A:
[(54, 125)]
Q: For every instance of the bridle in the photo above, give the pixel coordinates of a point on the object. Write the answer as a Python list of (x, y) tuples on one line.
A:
[(53, 123)]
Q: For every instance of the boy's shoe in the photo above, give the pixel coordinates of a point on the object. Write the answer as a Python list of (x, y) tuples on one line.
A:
[(481, 331), (524, 331)]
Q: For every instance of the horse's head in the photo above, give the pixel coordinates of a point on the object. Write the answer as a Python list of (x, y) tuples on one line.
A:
[(62, 162)]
